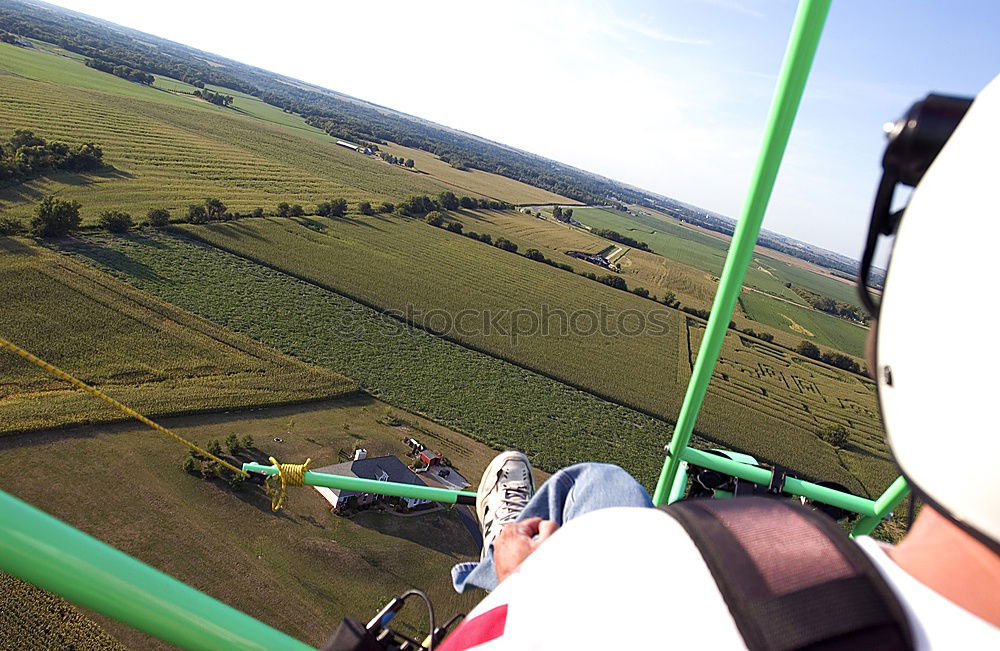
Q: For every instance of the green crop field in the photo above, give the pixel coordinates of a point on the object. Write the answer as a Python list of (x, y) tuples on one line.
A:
[(491, 400), (300, 570), (707, 253), (656, 273), (141, 351), (809, 324), (650, 372)]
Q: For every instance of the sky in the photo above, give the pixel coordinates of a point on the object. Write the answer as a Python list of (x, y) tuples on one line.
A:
[(668, 95)]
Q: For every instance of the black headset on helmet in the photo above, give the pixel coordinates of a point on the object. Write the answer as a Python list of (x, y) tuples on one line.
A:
[(914, 143)]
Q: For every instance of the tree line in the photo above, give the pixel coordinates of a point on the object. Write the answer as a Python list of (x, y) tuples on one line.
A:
[(209, 95), (394, 160), (615, 236), (841, 361), (831, 306), (125, 72), (25, 155)]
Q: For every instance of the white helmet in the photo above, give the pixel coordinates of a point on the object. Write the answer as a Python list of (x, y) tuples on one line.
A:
[(937, 360)]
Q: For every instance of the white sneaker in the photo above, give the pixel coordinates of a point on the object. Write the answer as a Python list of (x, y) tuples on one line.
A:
[(504, 491)]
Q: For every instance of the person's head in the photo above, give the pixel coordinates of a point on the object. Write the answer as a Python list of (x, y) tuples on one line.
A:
[(935, 357)]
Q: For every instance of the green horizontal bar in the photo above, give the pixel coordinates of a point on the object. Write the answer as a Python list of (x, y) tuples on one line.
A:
[(859, 505), (885, 503), (52, 555), (360, 485)]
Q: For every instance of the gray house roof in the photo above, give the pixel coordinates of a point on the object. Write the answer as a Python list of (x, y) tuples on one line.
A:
[(371, 468)]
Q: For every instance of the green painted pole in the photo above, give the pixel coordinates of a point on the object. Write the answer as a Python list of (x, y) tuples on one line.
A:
[(51, 554), (806, 31), (758, 475), (886, 502), (374, 486)]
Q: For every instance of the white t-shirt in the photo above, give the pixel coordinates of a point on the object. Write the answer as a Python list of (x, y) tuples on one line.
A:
[(632, 578)]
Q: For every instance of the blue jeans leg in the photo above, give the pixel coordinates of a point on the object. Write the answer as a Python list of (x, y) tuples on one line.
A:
[(568, 494)]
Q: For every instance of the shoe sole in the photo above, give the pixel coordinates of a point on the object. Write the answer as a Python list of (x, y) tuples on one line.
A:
[(491, 472)]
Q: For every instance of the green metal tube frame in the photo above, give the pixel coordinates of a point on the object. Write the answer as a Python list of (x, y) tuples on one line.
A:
[(360, 485), (52, 555), (802, 45)]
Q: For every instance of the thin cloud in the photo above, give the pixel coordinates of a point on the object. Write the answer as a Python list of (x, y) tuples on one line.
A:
[(657, 35)]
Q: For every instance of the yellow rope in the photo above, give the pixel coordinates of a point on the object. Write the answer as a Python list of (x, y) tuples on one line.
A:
[(62, 375), (289, 474)]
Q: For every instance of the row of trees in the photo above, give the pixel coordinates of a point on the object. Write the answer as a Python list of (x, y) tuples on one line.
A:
[(562, 214), (204, 467), (615, 236), (830, 306), (56, 217), (215, 98), (125, 72), (395, 160), (25, 155), (812, 351)]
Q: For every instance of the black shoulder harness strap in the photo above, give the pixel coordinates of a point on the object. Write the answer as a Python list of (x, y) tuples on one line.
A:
[(791, 578)]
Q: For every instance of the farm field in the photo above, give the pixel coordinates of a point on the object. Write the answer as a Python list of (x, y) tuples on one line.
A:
[(708, 253), (474, 182), (651, 373), (639, 268), (488, 288), (31, 618), (169, 150), (143, 352), (301, 569), (492, 401), (808, 323)]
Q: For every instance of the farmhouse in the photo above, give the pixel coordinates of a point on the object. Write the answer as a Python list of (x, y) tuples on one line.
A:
[(388, 468)]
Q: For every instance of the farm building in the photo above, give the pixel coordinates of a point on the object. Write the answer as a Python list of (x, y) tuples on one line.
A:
[(344, 143), (388, 468), (430, 457), (592, 258)]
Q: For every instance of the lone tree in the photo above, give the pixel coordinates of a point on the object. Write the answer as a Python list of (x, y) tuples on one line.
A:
[(365, 208), (214, 208), (434, 218), (283, 209), (296, 211), (197, 214), (55, 217), (115, 221), (557, 212), (408, 163), (158, 217), (835, 434)]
